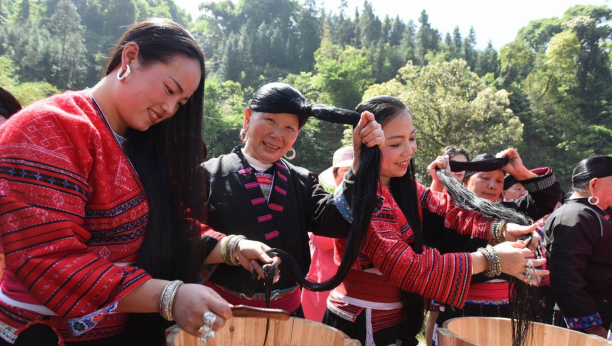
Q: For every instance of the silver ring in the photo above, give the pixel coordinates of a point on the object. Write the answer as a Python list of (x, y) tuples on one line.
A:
[(206, 331), (529, 264), (529, 273)]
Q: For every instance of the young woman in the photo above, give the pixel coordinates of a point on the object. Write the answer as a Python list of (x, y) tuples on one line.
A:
[(369, 304), (99, 193)]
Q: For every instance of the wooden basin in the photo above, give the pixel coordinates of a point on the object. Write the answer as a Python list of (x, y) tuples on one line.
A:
[(250, 331), (489, 331)]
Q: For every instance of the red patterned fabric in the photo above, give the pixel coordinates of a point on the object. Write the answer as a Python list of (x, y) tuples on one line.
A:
[(386, 251), (71, 206)]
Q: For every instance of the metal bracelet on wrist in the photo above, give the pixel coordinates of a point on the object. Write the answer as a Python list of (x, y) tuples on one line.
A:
[(166, 299)]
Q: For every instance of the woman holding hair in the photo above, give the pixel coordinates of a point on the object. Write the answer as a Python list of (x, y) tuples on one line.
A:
[(579, 240), (257, 194), (369, 304), (99, 195)]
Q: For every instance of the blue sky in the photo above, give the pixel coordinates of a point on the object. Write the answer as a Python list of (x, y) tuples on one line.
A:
[(498, 21)]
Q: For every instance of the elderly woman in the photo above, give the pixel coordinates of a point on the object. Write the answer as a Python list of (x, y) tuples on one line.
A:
[(257, 194), (579, 240), (486, 296)]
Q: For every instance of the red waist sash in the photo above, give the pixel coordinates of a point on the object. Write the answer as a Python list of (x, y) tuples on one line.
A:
[(370, 287)]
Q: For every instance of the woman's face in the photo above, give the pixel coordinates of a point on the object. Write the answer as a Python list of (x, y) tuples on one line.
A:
[(153, 93), (339, 176), (459, 158), (487, 185), (269, 136), (400, 145), (515, 191)]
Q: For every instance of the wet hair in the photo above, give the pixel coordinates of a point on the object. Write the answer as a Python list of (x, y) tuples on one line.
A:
[(167, 157), (453, 150), (589, 168), (9, 104), (521, 294)]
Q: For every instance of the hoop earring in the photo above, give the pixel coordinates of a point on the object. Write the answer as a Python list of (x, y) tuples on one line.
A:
[(121, 75), (242, 136), (593, 203), (292, 156)]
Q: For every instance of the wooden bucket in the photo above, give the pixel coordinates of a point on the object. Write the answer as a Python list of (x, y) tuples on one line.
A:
[(249, 331), (489, 331)]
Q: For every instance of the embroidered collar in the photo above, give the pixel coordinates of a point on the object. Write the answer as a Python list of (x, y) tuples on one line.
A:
[(268, 214)]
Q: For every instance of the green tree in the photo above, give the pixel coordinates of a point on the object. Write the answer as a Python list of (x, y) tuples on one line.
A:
[(223, 115), (427, 39), (538, 32), (27, 92), (309, 34), (343, 73), (451, 105), (67, 49)]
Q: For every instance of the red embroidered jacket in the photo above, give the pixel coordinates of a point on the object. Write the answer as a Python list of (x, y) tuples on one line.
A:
[(73, 215), (387, 263)]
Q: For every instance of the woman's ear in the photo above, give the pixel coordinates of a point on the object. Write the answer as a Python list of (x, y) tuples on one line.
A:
[(130, 54), (592, 185)]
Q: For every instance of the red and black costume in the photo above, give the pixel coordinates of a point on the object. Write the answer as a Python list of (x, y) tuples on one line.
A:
[(73, 216)]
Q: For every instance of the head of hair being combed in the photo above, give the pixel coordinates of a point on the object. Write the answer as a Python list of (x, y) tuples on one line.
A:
[(452, 150), (521, 294)]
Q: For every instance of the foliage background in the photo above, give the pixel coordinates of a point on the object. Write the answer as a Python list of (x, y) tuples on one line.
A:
[(546, 93)]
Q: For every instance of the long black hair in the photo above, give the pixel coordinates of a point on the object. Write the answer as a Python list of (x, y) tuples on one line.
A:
[(589, 168), (9, 104), (522, 295), (166, 157), (364, 198), (283, 98)]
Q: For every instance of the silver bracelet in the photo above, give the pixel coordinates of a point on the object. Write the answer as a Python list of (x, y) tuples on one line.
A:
[(166, 299), (494, 261), (231, 249)]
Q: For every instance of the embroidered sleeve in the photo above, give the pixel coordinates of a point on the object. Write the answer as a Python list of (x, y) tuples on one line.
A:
[(444, 278), (341, 199), (463, 221), (545, 179), (44, 191)]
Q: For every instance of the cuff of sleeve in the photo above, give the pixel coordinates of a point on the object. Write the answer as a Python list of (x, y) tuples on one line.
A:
[(207, 231), (342, 204), (544, 180), (584, 322)]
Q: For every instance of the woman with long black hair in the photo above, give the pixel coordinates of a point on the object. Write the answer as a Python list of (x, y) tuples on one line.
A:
[(380, 302), (99, 195)]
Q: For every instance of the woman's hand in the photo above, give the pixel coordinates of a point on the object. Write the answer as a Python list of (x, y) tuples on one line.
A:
[(190, 304), (514, 258), (515, 166), (513, 231), (441, 162), (248, 252), (368, 132)]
